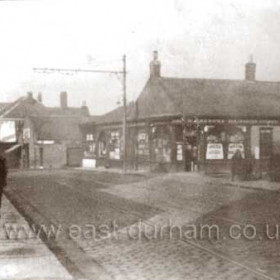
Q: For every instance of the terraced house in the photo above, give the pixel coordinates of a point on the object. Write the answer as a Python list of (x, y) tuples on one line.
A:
[(182, 124)]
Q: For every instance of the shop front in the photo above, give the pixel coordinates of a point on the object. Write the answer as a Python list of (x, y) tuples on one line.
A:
[(257, 141)]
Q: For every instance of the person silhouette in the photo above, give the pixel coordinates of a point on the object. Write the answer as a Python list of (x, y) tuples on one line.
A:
[(236, 163)]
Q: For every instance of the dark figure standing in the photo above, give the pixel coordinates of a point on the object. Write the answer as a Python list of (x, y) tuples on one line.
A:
[(237, 166), (3, 176)]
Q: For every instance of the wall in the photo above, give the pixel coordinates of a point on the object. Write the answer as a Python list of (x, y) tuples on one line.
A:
[(276, 140), (54, 156)]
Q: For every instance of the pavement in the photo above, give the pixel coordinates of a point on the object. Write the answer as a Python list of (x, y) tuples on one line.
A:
[(225, 179), (255, 184), (22, 254)]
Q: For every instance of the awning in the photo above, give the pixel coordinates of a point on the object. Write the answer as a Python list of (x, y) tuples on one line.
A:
[(13, 148)]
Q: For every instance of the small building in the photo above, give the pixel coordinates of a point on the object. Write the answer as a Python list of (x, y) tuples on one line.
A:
[(181, 124), (43, 137)]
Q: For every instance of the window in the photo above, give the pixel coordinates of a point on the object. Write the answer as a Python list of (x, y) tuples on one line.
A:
[(102, 147), (224, 140), (92, 148), (89, 137), (265, 142), (162, 144), (236, 142), (179, 151), (143, 144), (115, 145)]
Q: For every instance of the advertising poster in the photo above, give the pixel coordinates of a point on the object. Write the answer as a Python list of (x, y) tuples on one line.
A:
[(215, 151)]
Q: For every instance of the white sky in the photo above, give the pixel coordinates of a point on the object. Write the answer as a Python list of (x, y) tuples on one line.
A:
[(195, 38)]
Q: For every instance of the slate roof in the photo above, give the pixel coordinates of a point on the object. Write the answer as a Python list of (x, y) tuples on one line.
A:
[(51, 123), (69, 111), (59, 128), (215, 98), (22, 107), (4, 105)]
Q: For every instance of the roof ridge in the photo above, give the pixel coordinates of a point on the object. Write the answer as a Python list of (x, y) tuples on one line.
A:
[(218, 79), (11, 106)]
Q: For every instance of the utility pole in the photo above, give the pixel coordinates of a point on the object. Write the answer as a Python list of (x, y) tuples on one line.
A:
[(123, 72), (124, 114)]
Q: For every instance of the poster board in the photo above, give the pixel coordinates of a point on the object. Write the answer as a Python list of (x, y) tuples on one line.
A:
[(214, 151)]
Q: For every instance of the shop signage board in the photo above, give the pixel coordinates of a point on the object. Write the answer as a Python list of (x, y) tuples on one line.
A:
[(232, 121)]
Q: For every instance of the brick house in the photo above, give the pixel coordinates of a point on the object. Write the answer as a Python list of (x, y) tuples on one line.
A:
[(182, 124)]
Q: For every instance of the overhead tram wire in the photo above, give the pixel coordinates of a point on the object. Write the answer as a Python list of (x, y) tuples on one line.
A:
[(123, 72)]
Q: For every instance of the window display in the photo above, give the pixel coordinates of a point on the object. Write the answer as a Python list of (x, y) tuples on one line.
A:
[(102, 149), (162, 144), (224, 140), (115, 145), (179, 152), (143, 144)]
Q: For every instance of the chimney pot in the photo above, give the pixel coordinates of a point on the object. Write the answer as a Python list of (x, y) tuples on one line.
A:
[(84, 108), (250, 70), (30, 94), (155, 66)]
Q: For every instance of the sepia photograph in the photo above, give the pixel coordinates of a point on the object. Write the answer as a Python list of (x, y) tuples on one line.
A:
[(139, 140)]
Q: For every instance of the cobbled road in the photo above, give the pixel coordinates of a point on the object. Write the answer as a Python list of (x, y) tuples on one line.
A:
[(168, 226)]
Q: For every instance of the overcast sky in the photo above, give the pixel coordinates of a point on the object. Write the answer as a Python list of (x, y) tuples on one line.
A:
[(195, 38)]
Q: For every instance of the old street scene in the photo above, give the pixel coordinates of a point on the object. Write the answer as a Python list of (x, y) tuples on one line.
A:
[(140, 141)]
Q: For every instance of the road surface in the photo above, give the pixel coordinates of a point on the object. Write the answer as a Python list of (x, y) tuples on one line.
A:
[(170, 226)]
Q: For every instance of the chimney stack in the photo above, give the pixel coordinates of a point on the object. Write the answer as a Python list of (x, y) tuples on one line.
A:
[(29, 95), (40, 97), (250, 70), (63, 100), (155, 66), (84, 108)]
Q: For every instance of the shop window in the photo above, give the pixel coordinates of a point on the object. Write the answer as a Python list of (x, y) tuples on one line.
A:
[(179, 151), (215, 145), (162, 144), (102, 148), (265, 142), (92, 148), (236, 142), (178, 129), (224, 141), (143, 144), (90, 151), (115, 145)]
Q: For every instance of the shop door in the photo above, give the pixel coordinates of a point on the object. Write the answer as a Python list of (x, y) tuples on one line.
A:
[(265, 143), (266, 149), (188, 160)]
